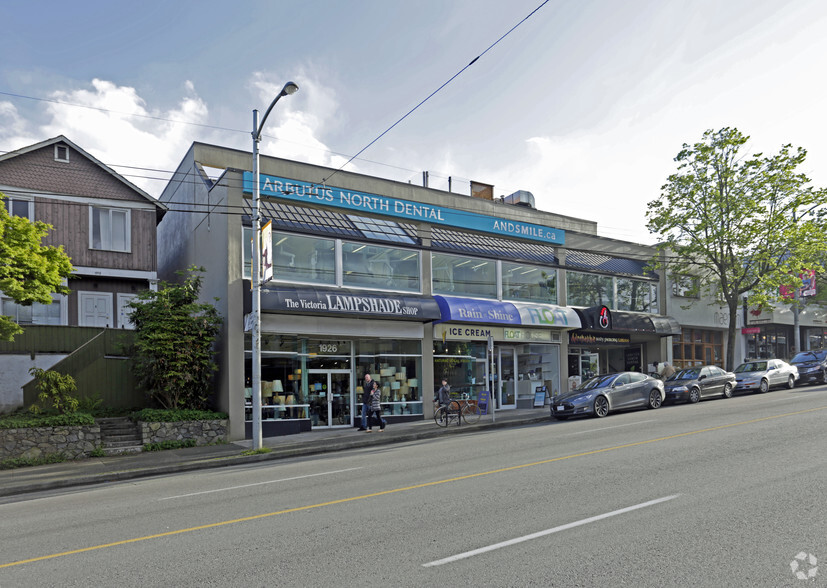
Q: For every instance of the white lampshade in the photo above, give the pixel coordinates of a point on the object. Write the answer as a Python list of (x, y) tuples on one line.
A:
[(413, 383), (395, 385), (277, 386)]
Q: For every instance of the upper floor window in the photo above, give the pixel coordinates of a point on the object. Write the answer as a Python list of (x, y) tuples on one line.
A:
[(61, 153), (19, 206), (37, 313), (463, 276), (589, 290), (377, 266), (635, 295), (109, 229), (685, 286), (529, 282)]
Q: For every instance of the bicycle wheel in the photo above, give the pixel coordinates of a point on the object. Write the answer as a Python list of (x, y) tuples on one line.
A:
[(471, 413), (441, 417)]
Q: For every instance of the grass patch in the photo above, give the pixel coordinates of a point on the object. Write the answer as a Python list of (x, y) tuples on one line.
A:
[(22, 462), (256, 451), (27, 420)]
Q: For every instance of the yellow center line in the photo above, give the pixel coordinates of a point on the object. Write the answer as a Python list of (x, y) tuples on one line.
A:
[(403, 489)]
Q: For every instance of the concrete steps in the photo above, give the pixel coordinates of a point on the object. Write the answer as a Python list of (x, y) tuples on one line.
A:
[(120, 436)]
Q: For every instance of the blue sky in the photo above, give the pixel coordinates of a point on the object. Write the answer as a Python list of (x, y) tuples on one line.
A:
[(585, 104)]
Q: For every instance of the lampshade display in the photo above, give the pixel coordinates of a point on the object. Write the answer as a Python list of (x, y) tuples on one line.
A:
[(277, 386), (413, 383), (395, 385)]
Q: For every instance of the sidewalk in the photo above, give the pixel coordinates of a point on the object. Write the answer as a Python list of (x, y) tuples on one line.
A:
[(97, 470)]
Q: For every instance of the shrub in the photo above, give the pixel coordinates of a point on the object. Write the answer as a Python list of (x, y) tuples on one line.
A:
[(55, 390), (155, 415), (26, 421), (169, 445), (19, 462)]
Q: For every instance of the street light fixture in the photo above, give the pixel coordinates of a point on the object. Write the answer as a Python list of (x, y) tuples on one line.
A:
[(289, 88)]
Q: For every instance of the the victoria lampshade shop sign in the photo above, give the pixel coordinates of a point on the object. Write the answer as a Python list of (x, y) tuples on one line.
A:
[(310, 301)]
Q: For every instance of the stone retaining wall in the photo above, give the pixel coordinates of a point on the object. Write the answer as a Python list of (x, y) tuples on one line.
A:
[(204, 432), (31, 443)]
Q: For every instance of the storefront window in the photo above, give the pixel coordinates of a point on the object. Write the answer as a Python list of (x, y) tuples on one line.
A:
[(697, 347), (463, 276), (375, 266), (634, 295), (529, 282), (589, 290), (396, 366), (771, 341), (462, 363)]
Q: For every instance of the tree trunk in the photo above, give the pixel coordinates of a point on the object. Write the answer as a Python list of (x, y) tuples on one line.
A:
[(730, 340)]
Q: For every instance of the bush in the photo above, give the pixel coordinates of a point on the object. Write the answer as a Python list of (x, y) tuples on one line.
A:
[(169, 445), (155, 415), (26, 421), (55, 390)]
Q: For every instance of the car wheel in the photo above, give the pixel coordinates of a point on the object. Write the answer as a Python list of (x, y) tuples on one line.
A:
[(694, 395), (655, 399), (601, 406), (727, 390), (764, 386), (791, 382)]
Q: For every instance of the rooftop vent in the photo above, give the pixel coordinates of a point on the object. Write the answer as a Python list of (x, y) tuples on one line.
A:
[(521, 198)]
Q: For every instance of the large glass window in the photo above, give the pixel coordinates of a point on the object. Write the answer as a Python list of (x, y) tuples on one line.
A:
[(634, 295), (310, 260), (376, 266), (529, 282), (697, 347), (109, 229), (36, 314), (396, 366), (463, 276), (589, 290)]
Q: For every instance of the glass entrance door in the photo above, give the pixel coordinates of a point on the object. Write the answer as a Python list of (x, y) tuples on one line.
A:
[(329, 397), (507, 364)]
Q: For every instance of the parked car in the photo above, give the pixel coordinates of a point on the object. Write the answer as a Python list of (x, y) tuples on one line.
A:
[(703, 381), (763, 374), (602, 394), (812, 366)]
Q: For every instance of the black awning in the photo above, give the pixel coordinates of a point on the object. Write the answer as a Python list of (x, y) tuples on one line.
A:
[(347, 303), (601, 319)]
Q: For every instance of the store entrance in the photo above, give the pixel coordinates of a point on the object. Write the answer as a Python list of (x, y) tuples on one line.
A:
[(328, 393), (506, 367)]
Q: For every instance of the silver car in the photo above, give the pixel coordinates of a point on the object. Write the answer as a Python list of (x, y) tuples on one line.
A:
[(601, 394), (763, 374)]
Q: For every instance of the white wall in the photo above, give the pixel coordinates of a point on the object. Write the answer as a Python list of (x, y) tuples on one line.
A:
[(15, 370)]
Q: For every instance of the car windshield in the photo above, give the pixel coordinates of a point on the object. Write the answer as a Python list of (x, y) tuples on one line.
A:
[(596, 382), (806, 356), (752, 366), (687, 374)]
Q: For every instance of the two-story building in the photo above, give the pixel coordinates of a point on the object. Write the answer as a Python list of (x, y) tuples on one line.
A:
[(405, 282), (106, 225)]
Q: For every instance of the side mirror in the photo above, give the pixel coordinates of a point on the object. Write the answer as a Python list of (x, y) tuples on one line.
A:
[(702, 377)]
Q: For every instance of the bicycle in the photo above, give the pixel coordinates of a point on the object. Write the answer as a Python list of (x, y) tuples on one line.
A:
[(457, 410)]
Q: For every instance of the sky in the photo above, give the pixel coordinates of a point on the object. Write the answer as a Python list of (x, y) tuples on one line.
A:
[(583, 103)]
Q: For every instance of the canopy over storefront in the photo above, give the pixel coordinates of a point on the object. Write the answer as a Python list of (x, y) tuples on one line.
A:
[(475, 310)]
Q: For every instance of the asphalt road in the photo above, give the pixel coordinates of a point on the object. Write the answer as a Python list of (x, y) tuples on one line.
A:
[(722, 493)]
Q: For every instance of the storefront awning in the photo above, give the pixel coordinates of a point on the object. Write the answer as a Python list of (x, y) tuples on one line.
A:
[(476, 310), (600, 319), (350, 303)]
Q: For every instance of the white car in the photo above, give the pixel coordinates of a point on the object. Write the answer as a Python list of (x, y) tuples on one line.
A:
[(763, 374)]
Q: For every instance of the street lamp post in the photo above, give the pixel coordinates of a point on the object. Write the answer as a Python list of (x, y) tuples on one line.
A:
[(289, 88)]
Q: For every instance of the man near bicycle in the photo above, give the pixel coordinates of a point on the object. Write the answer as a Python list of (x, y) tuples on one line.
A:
[(443, 395)]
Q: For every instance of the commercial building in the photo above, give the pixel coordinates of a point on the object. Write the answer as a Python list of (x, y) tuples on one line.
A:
[(405, 282)]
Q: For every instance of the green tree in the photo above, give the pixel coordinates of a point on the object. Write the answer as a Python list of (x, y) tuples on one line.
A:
[(54, 389), (742, 225), (174, 356), (29, 271)]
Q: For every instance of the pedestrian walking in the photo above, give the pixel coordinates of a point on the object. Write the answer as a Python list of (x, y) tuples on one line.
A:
[(367, 392), (376, 410)]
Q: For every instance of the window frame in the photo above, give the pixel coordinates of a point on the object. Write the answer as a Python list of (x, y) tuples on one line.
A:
[(30, 206), (127, 228)]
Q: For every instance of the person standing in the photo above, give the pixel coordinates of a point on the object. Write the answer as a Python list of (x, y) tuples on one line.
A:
[(376, 409), (367, 392), (443, 395)]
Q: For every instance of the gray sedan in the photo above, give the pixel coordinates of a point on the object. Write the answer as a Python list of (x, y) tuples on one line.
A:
[(763, 374), (602, 394)]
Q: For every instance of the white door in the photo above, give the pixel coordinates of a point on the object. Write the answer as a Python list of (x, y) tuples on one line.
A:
[(124, 311), (95, 309)]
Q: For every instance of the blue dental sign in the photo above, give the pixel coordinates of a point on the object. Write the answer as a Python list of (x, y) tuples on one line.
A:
[(364, 202)]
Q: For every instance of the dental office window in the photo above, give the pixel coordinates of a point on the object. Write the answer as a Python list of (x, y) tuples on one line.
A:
[(589, 290), (463, 276), (296, 258), (375, 266), (529, 282), (635, 295)]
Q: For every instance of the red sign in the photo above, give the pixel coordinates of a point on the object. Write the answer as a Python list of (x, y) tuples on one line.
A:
[(750, 330)]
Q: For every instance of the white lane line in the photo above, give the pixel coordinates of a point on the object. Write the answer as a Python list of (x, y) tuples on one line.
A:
[(260, 483), (510, 542), (612, 427)]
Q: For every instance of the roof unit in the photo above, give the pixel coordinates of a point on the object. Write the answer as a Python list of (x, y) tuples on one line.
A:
[(521, 198)]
